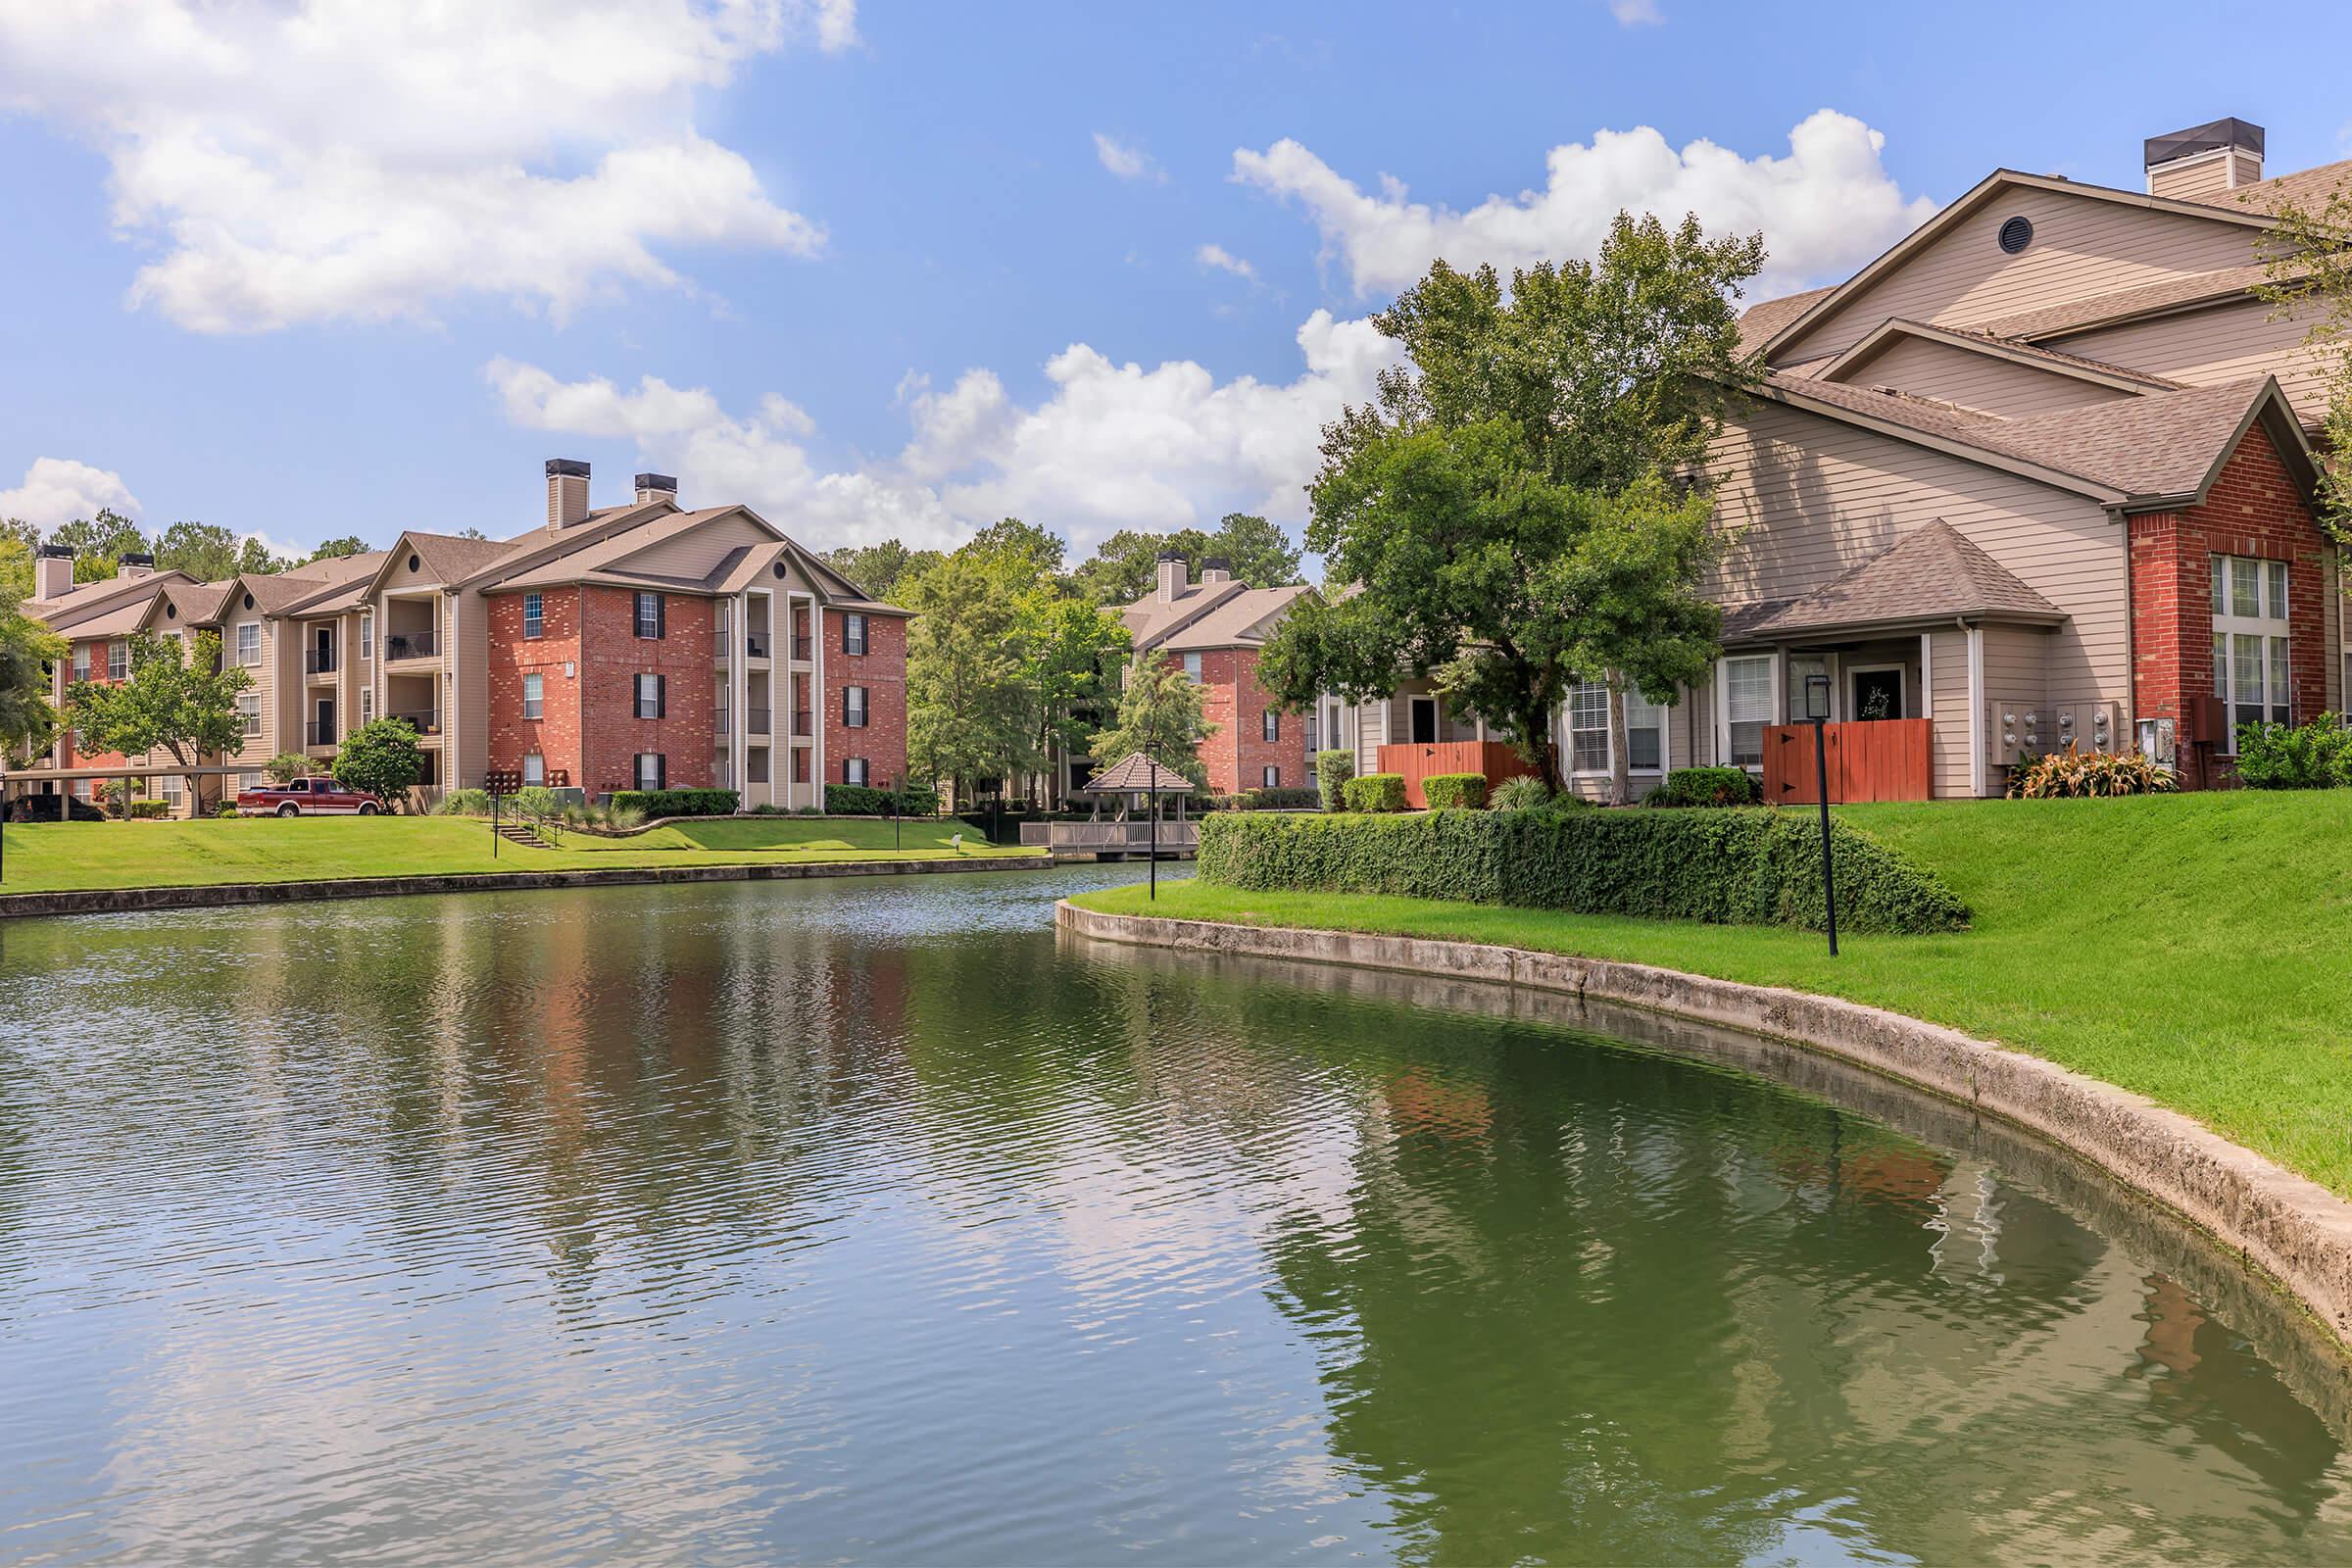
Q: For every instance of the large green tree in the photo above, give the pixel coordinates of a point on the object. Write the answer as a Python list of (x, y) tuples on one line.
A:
[(967, 688), (1076, 650), (1511, 507), (205, 551), (177, 699), (29, 652), (381, 758), (97, 543), (886, 570), (1124, 566), (2310, 269), (1159, 714)]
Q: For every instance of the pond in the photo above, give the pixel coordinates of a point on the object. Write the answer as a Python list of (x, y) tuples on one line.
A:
[(874, 1221)]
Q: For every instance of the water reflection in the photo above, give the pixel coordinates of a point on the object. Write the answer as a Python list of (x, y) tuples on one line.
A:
[(867, 1221)]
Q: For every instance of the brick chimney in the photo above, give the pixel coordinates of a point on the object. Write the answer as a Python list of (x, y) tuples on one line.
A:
[(1173, 576), (53, 571), (1216, 569), (2203, 159), (566, 492), (134, 563), (657, 487)]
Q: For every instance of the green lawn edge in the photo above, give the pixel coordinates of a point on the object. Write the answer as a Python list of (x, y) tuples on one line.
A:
[(2193, 948)]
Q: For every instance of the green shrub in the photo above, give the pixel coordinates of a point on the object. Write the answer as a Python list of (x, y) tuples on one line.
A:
[(2317, 755), (537, 800), (1288, 799), (1705, 786), (1727, 866), (675, 802), (462, 803), (866, 800), (149, 808), (807, 811), (227, 809), (1375, 792), (1525, 793), (1451, 792), (285, 768), (1333, 771), (2077, 774)]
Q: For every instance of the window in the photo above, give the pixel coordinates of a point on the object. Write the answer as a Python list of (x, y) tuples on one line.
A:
[(652, 695), (81, 661), (1272, 778), (534, 768), (2250, 666), (168, 788), (852, 634), (366, 704), (249, 642), (1644, 733), (534, 616), (1192, 667), (1270, 724), (852, 770), (653, 770), (853, 706), (366, 634), (248, 712), (251, 781), (1424, 720), (1746, 708), (651, 617), (1589, 727), (534, 695), (118, 661)]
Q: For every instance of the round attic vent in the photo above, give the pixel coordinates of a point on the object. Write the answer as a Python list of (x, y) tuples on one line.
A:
[(249, 601), (777, 569), (413, 563), (2017, 234), (170, 612)]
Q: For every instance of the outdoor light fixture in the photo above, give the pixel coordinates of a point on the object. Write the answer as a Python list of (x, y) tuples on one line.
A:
[(1817, 714)]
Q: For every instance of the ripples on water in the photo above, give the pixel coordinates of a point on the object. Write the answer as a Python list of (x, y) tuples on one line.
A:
[(858, 1220)]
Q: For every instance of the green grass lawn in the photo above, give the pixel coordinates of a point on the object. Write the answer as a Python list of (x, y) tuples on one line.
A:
[(2196, 948), (48, 857)]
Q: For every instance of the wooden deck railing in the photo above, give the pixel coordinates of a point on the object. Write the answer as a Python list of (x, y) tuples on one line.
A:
[(1868, 760), (1114, 838)]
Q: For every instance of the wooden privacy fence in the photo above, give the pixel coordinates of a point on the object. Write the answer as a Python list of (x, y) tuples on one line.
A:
[(1870, 760), (1496, 761)]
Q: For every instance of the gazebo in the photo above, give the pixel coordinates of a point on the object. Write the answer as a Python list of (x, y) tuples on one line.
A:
[(1138, 780)]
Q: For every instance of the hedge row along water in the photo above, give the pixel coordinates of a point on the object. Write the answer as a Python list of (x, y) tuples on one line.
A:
[(1737, 867)]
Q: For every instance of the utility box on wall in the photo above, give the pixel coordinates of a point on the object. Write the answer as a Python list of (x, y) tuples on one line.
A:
[(2023, 730)]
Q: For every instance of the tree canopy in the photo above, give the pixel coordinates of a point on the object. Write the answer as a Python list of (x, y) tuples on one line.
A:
[(1123, 567), (28, 654), (1159, 714), (381, 758), (967, 693), (2309, 275), (176, 698), (884, 571)]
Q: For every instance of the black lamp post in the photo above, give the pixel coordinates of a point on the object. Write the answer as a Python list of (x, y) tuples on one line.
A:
[(1817, 714)]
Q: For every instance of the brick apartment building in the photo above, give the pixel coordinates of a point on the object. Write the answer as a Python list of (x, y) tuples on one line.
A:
[(1215, 627)]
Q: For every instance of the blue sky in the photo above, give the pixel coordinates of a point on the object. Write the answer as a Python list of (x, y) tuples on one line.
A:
[(325, 270)]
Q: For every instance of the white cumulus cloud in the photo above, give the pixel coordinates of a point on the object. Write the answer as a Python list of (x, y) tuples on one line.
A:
[(58, 490), (1112, 445), (1218, 257), (1823, 210), (332, 160), (1635, 13), (1126, 160)]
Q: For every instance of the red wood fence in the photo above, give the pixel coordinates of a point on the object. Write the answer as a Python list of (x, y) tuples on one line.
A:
[(1870, 760), (1496, 761)]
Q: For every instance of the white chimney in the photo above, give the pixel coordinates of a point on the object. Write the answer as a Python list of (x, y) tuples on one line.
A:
[(53, 572), (657, 487), (2196, 164), (1173, 576), (566, 492)]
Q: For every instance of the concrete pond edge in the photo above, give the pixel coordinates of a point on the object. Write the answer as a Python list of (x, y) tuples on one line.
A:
[(236, 895), (2283, 1225)]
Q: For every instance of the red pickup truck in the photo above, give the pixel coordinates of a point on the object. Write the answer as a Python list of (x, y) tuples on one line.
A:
[(319, 797)]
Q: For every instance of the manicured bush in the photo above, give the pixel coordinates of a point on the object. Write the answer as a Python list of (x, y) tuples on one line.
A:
[(1451, 791), (2074, 773), (537, 800), (227, 809), (2317, 755), (1727, 866), (462, 803), (1525, 793), (675, 802), (866, 800), (1375, 792), (149, 808), (285, 768), (1288, 799), (1333, 771), (1705, 786)]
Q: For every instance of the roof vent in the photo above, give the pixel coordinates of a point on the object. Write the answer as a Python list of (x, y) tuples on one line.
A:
[(2193, 165), (2017, 234)]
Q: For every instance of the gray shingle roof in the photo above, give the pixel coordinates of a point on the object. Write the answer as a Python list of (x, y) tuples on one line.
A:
[(1135, 772), (1930, 574)]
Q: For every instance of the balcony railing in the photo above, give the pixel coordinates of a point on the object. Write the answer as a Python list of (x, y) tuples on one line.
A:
[(762, 722), (755, 644), (800, 650), (719, 722), (315, 733), (318, 662), (427, 723), (411, 645), (804, 722)]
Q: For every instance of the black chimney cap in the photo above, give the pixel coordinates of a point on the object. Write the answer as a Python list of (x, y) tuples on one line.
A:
[(136, 558), (58, 552), (659, 481), (2214, 133), (566, 468), (1171, 555), (1216, 563)]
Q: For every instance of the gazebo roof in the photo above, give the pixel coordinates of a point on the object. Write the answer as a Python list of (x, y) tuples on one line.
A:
[(1137, 774)]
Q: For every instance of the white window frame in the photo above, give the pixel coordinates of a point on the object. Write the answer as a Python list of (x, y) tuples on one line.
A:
[(1270, 777), (251, 780), (1635, 704), (1723, 705), (648, 778), (645, 697), (1269, 725), (118, 661), (639, 619), (852, 632), (534, 695), (367, 635), (534, 768), (249, 656), (535, 617), (248, 712), (2271, 628), (853, 770), (1192, 668), (855, 714), (366, 704), (81, 661)]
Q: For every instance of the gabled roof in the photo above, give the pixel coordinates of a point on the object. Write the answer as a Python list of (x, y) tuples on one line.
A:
[(1930, 574), (198, 603), (1137, 774), (1761, 321), (1234, 620), (1821, 305), (2185, 292), (2072, 365), (2305, 187), (1151, 619), (85, 600)]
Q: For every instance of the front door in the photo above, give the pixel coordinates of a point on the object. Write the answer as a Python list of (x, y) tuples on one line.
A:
[(325, 735), (1425, 721), (1877, 692)]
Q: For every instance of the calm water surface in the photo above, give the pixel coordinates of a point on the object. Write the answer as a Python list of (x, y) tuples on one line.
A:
[(868, 1221)]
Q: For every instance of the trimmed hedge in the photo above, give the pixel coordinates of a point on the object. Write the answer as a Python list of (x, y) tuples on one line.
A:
[(1447, 792), (1375, 792), (1333, 771), (1705, 786), (1734, 867), (676, 802), (866, 800)]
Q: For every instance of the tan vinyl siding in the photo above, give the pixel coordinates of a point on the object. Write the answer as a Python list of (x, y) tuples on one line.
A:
[(2203, 348), (2083, 246), (467, 761), (281, 656), (1811, 497), (1949, 727), (1951, 373), (697, 553), (2189, 179)]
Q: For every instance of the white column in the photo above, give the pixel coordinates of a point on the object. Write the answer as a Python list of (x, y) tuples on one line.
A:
[(739, 687), (1976, 711)]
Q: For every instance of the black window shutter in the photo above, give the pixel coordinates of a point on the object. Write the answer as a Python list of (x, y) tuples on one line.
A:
[(660, 614), (660, 770), (844, 712), (660, 696)]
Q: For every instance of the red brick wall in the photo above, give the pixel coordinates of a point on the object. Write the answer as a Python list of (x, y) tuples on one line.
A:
[(1237, 753), (590, 729), (2253, 510), (882, 671), (68, 756)]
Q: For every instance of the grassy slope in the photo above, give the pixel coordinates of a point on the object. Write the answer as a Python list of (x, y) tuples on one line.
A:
[(48, 857), (2193, 948)]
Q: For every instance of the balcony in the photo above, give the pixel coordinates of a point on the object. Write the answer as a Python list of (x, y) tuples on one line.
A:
[(318, 662), (804, 723), (755, 644), (800, 650), (315, 733), (762, 722), (719, 722), (424, 723), (400, 645)]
